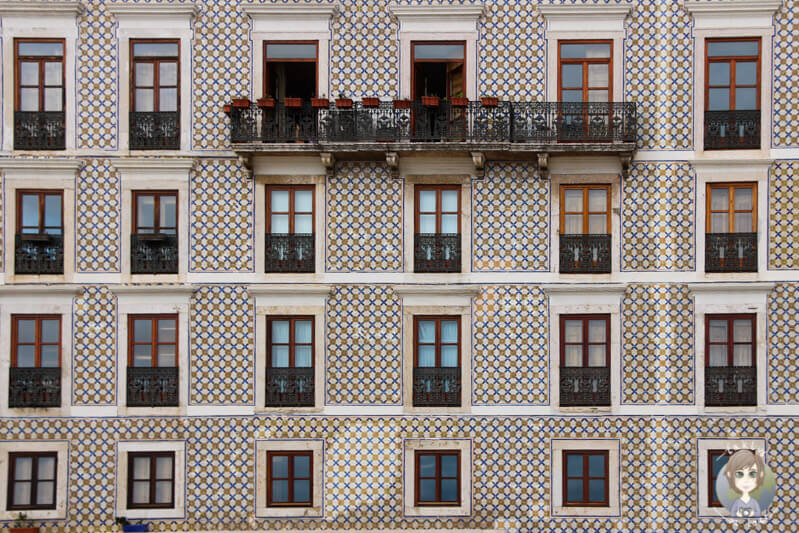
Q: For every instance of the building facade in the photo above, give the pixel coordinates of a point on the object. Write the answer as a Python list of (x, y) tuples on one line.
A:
[(418, 265)]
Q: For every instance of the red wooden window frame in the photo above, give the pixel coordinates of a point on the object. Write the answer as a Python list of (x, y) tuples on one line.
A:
[(315, 61), (292, 344), (292, 212), (438, 477), (585, 319), (41, 193), (290, 478), (585, 454), (438, 344), (733, 60), (439, 209), (731, 318), (585, 212), (731, 188), (414, 61), (34, 480), (41, 60), (585, 61), (154, 342), (38, 342), (157, 195), (712, 501), (152, 479), (156, 62)]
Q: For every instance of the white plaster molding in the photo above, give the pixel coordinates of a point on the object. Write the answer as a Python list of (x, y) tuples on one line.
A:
[(742, 14), (61, 447), (582, 17), (437, 295), (291, 11), (410, 447), (133, 294), (26, 292), (122, 449), (557, 447), (761, 288), (436, 13), (155, 165), (575, 294), (317, 447), (186, 9), (284, 290), (41, 166), (40, 8)]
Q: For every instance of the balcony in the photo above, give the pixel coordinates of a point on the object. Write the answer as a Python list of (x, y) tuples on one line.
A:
[(436, 386), (731, 252), (732, 130), (585, 254), (38, 254), (584, 386), (290, 387), (290, 252), (730, 385), (34, 387), (39, 130), (437, 252), (152, 386), (155, 130), (153, 254)]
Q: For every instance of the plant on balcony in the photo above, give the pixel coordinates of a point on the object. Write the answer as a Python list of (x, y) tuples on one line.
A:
[(489, 101), (241, 102), (402, 104), (320, 103), (267, 102), (459, 101), (370, 101), (23, 525), (343, 102), (293, 103), (431, 101), (127, 526)]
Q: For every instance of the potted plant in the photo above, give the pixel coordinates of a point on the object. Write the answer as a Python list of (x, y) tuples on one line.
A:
[(241, 102), (430, 101), (400, 103), (369, 101), (320, 103), (267, 102), (489, 101), (128, 527), (292, 102), (342, 102), (459, 101), (23, 525)]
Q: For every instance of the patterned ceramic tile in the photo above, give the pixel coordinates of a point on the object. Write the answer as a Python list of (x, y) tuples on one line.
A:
[(783, 343), (94, 358), (97, 212), (786, 76), (783, 224)]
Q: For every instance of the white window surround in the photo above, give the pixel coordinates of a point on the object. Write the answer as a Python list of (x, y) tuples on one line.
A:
[(585, 21), (577, 299), (41, 20), (37, 300), (56, 174), (732, 18), (557, 447), (703, 446), (154, 21), (438, 23), (283, 22), (317, 446), (61, 447), (721, 171), (148, 300), (139, 174), (125, 446), (287, 300), (731, 298), (410, 447)]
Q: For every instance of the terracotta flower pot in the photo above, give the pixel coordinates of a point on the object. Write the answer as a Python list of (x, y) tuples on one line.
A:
[(402, 104), (320, 103), (460, 102), (266, 102), (370, 102), (24, 530), (489, 101), (343, 103), (430, 101), (227, 109), (293, 102), (241, 102)]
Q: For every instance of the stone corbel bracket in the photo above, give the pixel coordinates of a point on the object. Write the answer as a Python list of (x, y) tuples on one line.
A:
[(542, 172), (329, 162), (392, 161), (626, 160), (479, 160), (245, 160)]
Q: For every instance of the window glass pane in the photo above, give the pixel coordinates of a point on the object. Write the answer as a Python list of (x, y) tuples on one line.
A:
[(572, 96), (427, 490), (29, 99), (53, 100), (145, 211), (427, 356), (144, 100), (26, 356), (574, 465), (142, 356), (438, 51), (449, 356), (572, 75), (573, 330), (168, 211), (449, 201), (141, 468), (167, 74), (155, 50), (302, 331), (52, 210), (50, 356), (26, 331), (280, 201), (596, 355), (30, 210), (427, 465), (144, 74), (742, 355), (719, 199), (596, 330), (719, 223), (302, 356), (719, 100), (746, 73), (44, 493), (718, 331), (427, 224), (427, 201), (291, 51), (746, 98), (303, 224), (596, 490), (596, 465), (163, 491), (22, 493), (598, 200), (163, 467), (449, 490), (743, 199), (141, 492), (142, 330), (280, 466), (279, 224), (449, 331), (574, 490), (574, 224), (280, 491), (718, 355), (743, 222), (588, 50), (41, 49), (449, 224), (302, 491), (718, 463), (52, 73), (280, 331), (598, 75), (597, 224), (449, 465), (166, 355), (574, 355), (29, 73), (166, 330), (573, 200), (427, 331), (280, 356), (598, 96), (742, 331), (302, 466), (303, 201), (46, 468), (23, 468), (732, 48), (168, 100), (719, 73)]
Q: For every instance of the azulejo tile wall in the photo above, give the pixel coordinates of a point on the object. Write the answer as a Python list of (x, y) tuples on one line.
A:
[(783, 344), (657, 345), (510, 357), (364, 202), (97, 217), (94, 358), (364, 346), (510, 210), (786, 76), (783, 225), (658, 218)]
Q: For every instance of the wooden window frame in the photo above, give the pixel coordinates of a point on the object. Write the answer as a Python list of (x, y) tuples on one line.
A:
[(417, 454), (41, 60), (154, 318), (152, 480), (438, 343), (733, 60), (157, 194), (41, 193), (439, 212), (156, 86), (711, 481), (731, 318), (585, 212), (731, 187), (585, 478), (291, 212), (291, 344), (290, 478), (315, 61), (38, 341), (414, 61), (585, 318), (34, 481), (585, 62)]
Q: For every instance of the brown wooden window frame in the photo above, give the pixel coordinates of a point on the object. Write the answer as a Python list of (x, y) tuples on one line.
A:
[(266, 60), (290, 479), (585, 62), (585, 319), (42, 193), (417, 478), (731, 188), (38, 342), (732, 60), (586, 478), (439, 209), (152, 479), (585, 212), (731, 318), (712, 501), (291, 213), (157, 194), (41, 60), (291, 344), (156, 86), (438, 344), (154, 318), (34, 480), (414, 61)]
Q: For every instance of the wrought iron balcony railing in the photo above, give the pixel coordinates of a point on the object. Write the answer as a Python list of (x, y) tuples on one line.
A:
[(585, 254), (732, 130), (153, 386), (437, 252), (730, 385), (514, 122), (584, 386), (290, 387), (34, 387), (731, 252), (437, 386), (290, 252), (155, 130), (39, 130), (153, 254), (38, 254)]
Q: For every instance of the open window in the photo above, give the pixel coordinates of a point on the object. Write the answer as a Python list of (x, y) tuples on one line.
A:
[(291, 69), (438, 69)]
